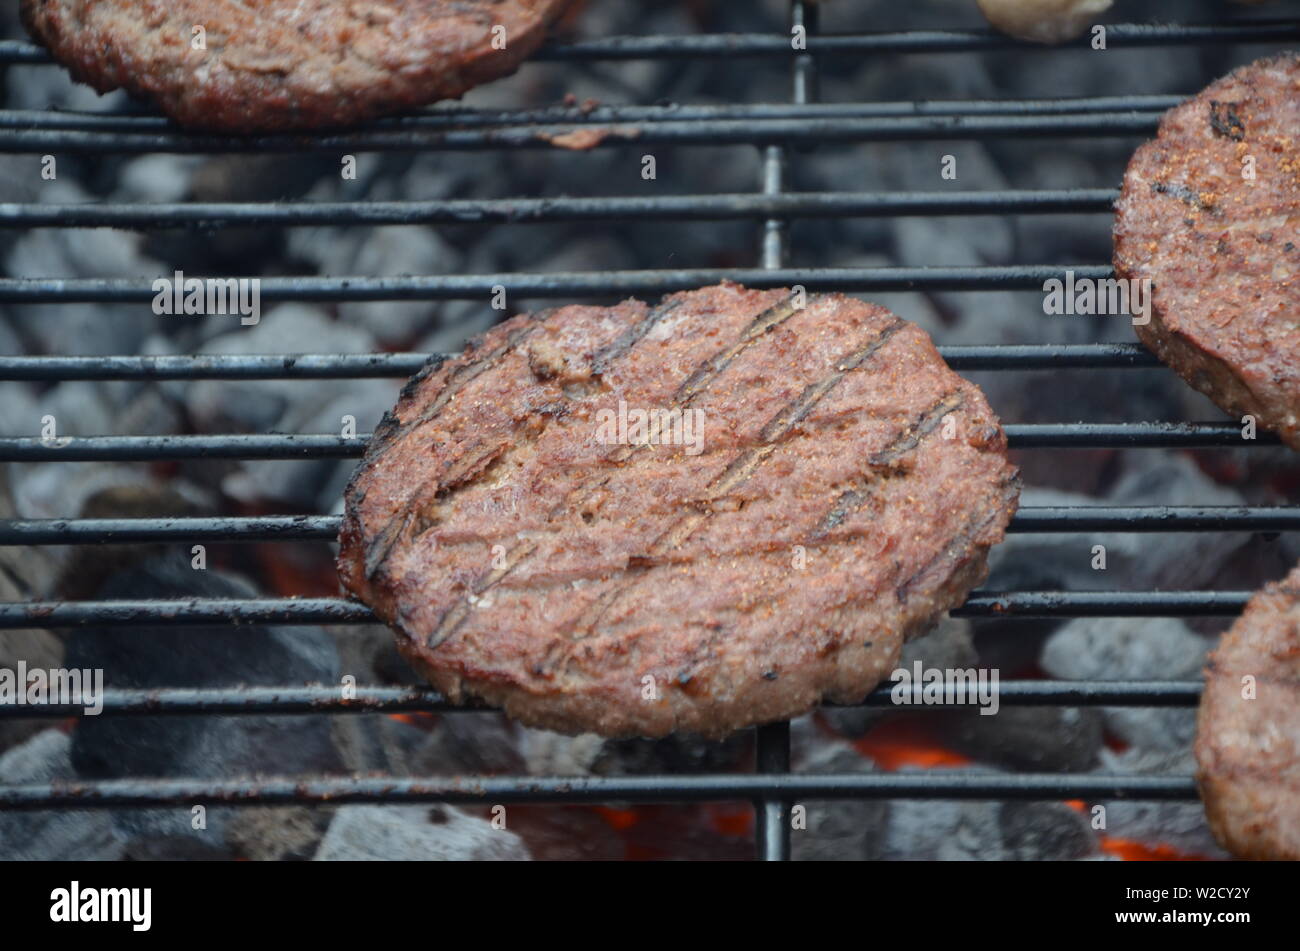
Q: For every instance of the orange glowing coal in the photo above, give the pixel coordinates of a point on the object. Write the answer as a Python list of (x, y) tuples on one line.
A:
[(906, 742), (421, 721)]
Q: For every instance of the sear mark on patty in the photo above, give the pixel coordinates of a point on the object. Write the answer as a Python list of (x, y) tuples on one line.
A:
[(1225, 121)]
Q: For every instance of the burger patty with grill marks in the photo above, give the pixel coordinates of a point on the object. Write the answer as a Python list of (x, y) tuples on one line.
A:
[(1248, 729), (1210, 214), (841, 491), (281, 65)]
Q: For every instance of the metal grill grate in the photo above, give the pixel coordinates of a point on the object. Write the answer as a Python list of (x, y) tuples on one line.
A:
[(775, 128)]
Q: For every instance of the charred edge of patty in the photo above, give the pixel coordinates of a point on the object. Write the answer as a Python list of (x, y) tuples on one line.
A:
[(1203, 370), (353, 549)]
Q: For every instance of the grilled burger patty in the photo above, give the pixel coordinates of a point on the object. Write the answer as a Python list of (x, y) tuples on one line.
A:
[(289, 64), (531, 551), (1248, 746), (1223, 250)]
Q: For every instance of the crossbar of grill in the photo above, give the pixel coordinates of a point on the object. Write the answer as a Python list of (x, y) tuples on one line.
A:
[(807, 131), (230, 701), (134, 793), (298, 528), (334, 366), (461, 117), (189, 612), (1155, 435), (714, 207), (565, 283)]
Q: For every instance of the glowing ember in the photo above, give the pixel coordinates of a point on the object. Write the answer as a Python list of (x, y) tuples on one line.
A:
[(1131, 851), (906, 742)]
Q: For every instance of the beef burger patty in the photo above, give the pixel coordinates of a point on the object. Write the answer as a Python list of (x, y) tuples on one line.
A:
[(827, 488), (289, 64), (1248, 731), (1210, 213)]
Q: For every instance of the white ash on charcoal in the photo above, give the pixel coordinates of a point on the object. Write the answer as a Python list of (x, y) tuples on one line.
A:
[(1134, 560), (838, 830), (548, 754), (284, 834), (378, 743), (37, 649), (316, 485), (260, 405), (157, 178), (287, 405), (1132, 649), (432, 833), (69, 253), (201, 747), (235, 251), (930, 829), (1045, 832), (386, 251), (933, 829), (25, 575), (52, 836), (471, 744), (1179, 825), (1034, 739)]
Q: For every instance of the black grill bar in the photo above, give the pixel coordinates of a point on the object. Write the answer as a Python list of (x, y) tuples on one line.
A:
[(732, 45), (810, 131), (211, 611), (543, 210), (459, 117), (322, 446), (564, 284), (231, 701), (327, 366), (299, 528), (122, 793)]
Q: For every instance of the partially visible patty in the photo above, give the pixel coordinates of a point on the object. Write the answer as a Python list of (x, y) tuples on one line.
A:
[(1223, 251), (1248, 747), (849, 488), (280, 65)]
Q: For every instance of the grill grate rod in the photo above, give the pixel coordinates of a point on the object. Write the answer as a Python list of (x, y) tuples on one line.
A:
[(460, 117), (328, 366), (731, 45), (803, 130), (542, 210), (322, 446), (106, 794), (297, 528), (565, 283), (229, 701), (308, 611)]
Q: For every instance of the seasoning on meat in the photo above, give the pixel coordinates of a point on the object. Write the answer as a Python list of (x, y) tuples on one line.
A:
[(814, 486), (1210, 215)]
